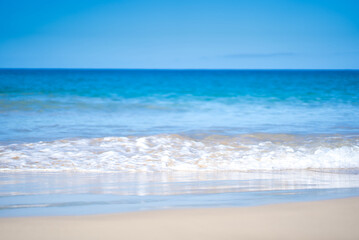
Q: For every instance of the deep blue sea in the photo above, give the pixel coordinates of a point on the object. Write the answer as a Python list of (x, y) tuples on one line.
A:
[(178, 120)]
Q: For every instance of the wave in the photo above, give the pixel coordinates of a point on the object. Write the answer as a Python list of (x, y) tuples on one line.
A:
[(246, 152)]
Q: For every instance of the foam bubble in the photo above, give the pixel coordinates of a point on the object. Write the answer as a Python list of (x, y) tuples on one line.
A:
[(178, 153)]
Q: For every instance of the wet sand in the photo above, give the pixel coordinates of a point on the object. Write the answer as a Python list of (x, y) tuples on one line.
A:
[(328, 219)]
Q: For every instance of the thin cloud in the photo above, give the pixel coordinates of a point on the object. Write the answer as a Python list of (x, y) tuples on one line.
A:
[(346, 53), (258, 55)]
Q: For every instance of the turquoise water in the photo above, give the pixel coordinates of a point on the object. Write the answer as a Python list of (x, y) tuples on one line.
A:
[(103, 141), (37, 105), (178, 120)]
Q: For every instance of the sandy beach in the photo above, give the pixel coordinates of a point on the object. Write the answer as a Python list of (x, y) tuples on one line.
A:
[(328, 219), (179, 120)]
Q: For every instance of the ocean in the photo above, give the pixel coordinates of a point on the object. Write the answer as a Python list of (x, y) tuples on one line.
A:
[(201, 125)]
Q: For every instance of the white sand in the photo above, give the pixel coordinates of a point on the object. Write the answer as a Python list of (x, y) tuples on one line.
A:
[(331, 219)]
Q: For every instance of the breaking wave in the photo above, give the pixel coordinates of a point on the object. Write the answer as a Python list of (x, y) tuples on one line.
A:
[(248, 152)]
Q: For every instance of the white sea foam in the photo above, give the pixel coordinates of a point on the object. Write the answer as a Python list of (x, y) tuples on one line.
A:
[(178, 153)]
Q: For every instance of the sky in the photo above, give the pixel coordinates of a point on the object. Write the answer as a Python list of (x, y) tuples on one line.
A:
[(182, 34)]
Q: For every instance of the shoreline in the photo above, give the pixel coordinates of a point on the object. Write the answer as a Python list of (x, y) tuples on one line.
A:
[(89, 194), (325, 219)]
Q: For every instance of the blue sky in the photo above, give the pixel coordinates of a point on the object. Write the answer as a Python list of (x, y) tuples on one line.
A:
[(226, 34)]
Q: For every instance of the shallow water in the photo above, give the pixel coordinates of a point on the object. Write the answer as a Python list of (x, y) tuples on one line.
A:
[(38, 194)]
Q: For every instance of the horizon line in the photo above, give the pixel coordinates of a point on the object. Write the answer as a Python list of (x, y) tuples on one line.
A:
[(185, 69)]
